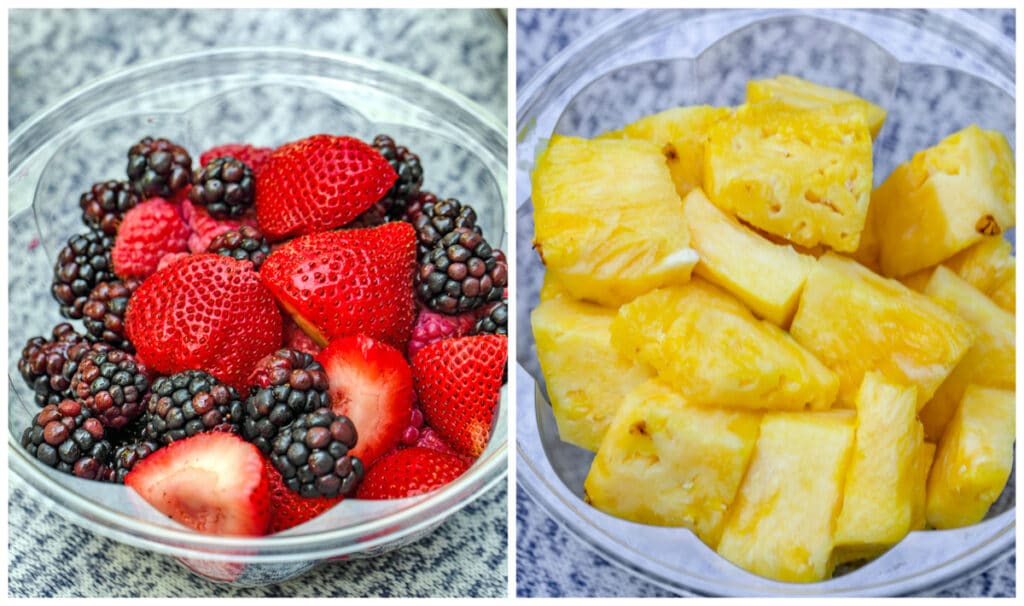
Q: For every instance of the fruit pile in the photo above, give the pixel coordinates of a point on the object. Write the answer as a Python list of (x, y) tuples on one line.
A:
[(269, 333), (759, 347)]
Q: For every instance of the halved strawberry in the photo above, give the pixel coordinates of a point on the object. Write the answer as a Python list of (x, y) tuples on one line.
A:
[(319, 183), (410, 472), (147, 233), (458, 382), (211, 482), (339, 283), (287, 507), (371, 384)]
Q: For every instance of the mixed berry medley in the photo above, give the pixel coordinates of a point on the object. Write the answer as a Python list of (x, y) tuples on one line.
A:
[(270, 332)]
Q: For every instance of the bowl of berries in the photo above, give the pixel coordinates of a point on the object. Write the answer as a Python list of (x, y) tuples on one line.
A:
[(253, 332)]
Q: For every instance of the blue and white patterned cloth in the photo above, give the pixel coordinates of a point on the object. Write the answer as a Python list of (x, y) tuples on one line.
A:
[(549, 560), (53, 51)]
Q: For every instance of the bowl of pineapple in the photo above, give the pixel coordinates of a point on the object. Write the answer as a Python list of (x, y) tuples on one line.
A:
[(767, 337)]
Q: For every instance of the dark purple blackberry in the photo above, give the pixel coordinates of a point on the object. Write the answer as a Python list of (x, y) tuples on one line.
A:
[(111, 384), (373, 216), (158, 167), (495, 322), (405, 163), (245, 244), (65, 437), (284, 385), (104, 310), (74, 356), (128, 455), (461, 273), (312, 455), (188, 403), (42, 361), (82, 264), (440, 219), (414, 207), (105, 204), (225, 186)]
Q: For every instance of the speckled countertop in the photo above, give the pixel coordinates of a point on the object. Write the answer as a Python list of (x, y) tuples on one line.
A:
[(53, 51), (550, 560)]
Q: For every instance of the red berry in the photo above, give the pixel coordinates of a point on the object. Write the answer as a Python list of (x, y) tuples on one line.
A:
[(255, 157), (147, 233), (410, 472), (288, 508)]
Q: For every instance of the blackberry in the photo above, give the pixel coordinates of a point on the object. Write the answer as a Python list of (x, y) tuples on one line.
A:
[(225, 186), (495, 322), (42, 361), (188, 403), (65, 437), (74, 356), (312, 455), (105, 204), (128, 455), (284, 385), (82, 264), (158, 167), (104, 310), (245, 244), (461, 273), (415, 205), (378, 214), (440, 219), (405, 163), (111, 384)]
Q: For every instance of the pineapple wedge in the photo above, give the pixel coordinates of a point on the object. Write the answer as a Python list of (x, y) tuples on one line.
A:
[(781, 522), (709, 347), (680, 133), (551, 288), (1005, 295), (974, 459), (878, 497), (768, 277), (990, 362), (856, 321), (945, 199), (985, 266), (804, 175), (666, 463), (800, 93), (608, 220), (586, 377), (924, 466)]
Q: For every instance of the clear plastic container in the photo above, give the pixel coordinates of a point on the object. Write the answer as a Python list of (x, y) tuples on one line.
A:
[(934, 71), (264, 97)]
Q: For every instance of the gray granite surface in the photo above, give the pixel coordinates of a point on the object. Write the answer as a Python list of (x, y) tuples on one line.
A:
[(550, 560), (51, 52)]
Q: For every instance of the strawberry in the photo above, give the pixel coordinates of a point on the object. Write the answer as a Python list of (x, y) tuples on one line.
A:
[(205, 228), (255, 157), (293, 337), (170, 258), (212, 482), (429, 438), (371, 384), (357, 281), (287, 507), (148, 232), (410, 472), (319, 183), (431, 327), (458, 382), (204, 312)]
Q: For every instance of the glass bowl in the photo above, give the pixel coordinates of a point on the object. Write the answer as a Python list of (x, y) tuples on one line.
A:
[(935, 73), (264, 97)]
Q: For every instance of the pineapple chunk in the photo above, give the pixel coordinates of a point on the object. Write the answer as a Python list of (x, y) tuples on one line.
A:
[(945, 199), (974, 459), (586, 377), (1005, 295), (804, 175), (918, 280), (767, 277), (868, 248), (856, 321), (666, 463), (800, 93), (924, 466), (986, 264), (781, 522), (708, 346), (552, 289), (878, 497), (990, 362), (680, 133), (608, 220)]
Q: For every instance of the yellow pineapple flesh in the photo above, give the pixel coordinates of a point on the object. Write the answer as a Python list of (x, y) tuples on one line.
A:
[(804, 175), (608, 221), (768, 277), (680, 133), (924, 466), (974, 459), (666, 463), (800, 93), (855, 321), (990, 362), (1005, 295), (551, 288), (586, 377), (945, 199), (984, 265), (708, 346), (782, 520)]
